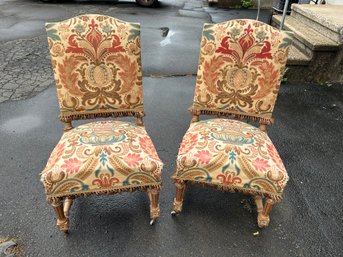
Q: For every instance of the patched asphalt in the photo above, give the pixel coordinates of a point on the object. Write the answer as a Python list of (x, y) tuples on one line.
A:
[(307, 133)]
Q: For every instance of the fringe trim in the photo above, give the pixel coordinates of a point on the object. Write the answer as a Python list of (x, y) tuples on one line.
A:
[(68, 116), (253, 118), (112, 191), (232, 189)]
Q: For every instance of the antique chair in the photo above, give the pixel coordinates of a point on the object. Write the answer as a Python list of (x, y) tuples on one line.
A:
[(240, 69), (97, 68)]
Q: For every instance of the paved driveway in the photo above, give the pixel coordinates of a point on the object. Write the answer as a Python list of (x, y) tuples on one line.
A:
[(307, 132)]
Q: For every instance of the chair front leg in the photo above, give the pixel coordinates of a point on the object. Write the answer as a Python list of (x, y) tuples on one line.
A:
[(62, 220), (178, 200), (154, 206), (263, 213)]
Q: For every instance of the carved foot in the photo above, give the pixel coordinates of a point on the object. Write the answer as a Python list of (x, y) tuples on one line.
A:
[(154, 206), (62, 220), (63, 225), (177, 207), (263, 214), (262, 220), (155, 213), (178, 200)]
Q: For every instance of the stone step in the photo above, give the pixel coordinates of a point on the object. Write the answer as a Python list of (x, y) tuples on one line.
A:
[(325, 19), (306, 39), (297, 58)]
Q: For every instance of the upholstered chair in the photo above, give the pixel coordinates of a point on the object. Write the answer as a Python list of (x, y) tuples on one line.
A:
[(240, 69), (97, 68)]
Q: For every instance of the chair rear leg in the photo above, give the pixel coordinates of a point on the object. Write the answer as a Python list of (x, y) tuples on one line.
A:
[(154, 206), (62, 220), (178, 200), (66, 206)]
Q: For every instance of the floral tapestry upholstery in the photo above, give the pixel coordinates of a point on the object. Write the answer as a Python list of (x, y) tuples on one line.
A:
[(240, 69), (97, 67), (102, 157), (231, 155)]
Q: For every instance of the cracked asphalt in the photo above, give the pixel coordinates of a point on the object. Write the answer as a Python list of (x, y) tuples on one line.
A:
[(307, 132)]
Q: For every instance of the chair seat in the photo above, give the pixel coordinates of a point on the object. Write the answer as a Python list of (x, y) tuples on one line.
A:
[(102, 157), (231, 155)]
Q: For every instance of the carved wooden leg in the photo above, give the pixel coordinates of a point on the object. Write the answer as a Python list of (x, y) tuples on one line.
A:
[(62, 220), (66, 206), (263, 216), (259, 203), (154, 206), (178, 200)]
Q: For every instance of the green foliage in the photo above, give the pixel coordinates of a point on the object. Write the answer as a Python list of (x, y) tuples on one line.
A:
[(246, 3)]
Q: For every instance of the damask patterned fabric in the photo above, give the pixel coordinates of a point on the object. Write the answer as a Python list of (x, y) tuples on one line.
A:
[(102, 157), (97, 67), (240, 68), (232, 155)]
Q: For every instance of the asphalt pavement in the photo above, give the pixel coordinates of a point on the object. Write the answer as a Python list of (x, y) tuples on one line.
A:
[(307, 133)]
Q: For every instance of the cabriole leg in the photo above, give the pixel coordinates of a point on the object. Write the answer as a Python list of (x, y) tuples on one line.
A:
[(263, 216), (154, 206), (62, 220), (178, 200)]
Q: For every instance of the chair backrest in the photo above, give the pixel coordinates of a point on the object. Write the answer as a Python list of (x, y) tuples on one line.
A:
[(240, 69), (96, 61)]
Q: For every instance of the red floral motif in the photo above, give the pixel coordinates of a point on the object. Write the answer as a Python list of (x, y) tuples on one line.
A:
[(188, 142), (55, 156), (105, 181), (224, 46), (133, 159), (204, 156), (148, 147), (246, 43), (94, 37), (72, 165), (229, 178), (260, 164), (275, 156), (96, 40)]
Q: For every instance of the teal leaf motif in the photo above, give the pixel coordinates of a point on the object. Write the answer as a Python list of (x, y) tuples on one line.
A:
[(137, 26), (286, 42), (208, 34), (232, 157), (103, 158), (133, 34), (111, 170), (52, 34), (238, 170), (225, 167)]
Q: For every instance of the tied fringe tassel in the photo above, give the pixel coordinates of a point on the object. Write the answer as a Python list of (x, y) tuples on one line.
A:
[(259, 119), (229, 188), (67, 117), (113, 191)]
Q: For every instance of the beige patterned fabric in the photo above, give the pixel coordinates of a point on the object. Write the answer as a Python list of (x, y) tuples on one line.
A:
[(240, 68), (97, 66), (102, 157), (231, 155)]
